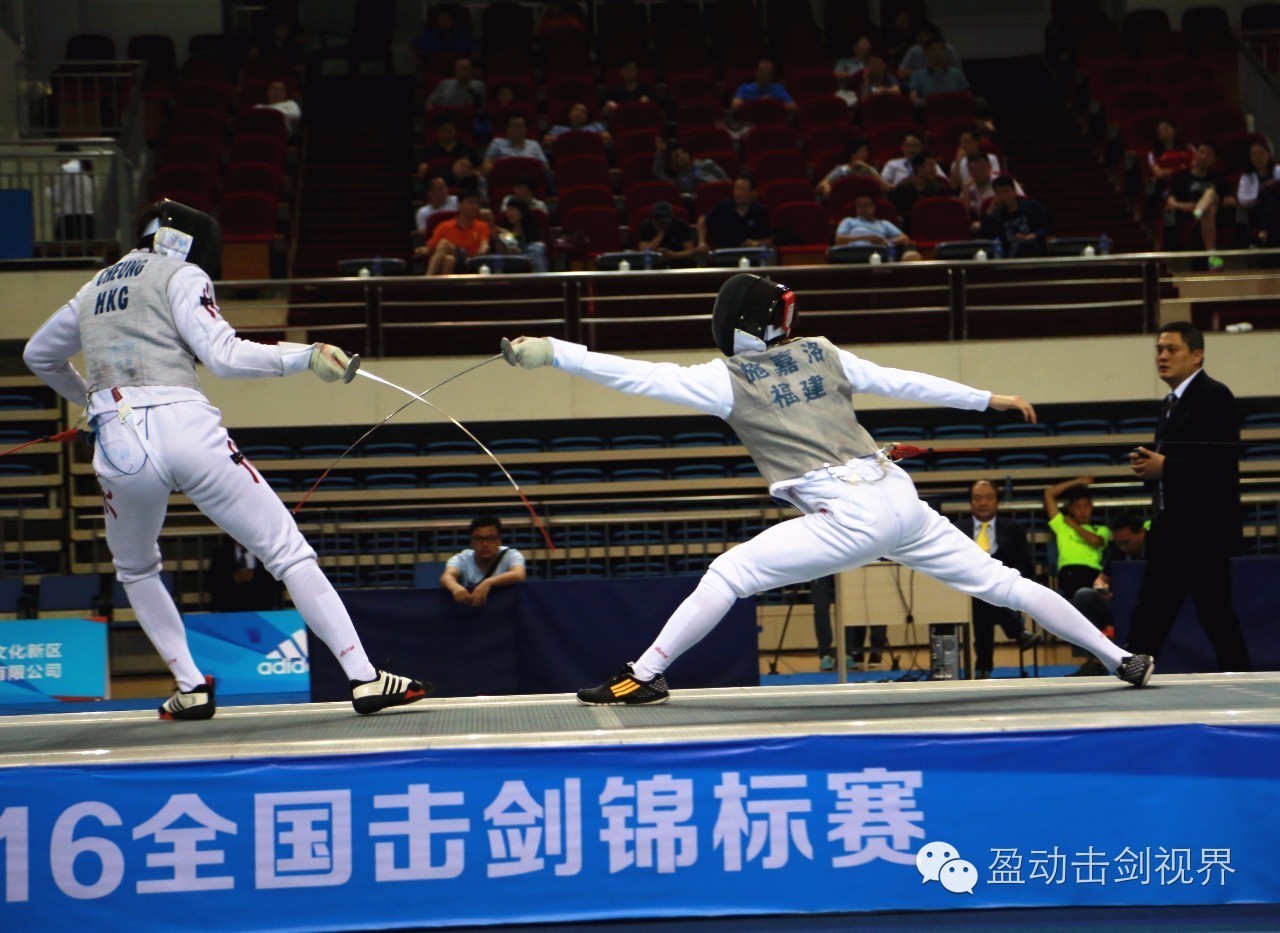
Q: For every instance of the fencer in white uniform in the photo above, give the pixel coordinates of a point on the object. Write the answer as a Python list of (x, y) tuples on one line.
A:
[(790, 402), (142, 325)]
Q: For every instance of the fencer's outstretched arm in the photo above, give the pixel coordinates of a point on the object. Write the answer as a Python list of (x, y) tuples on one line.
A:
[(886, 381), (705, 387), (48, 354)]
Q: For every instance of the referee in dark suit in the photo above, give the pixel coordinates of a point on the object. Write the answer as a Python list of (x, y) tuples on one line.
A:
[(1194, 474), (1006, 541)]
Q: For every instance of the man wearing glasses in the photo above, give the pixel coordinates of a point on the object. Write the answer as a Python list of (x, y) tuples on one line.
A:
[(473, 572)]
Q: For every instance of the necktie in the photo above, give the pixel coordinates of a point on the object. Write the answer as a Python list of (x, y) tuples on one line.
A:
[(983, 540), (1170, 400)]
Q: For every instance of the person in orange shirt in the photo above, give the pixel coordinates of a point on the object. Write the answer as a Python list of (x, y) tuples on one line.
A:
[(456, 239)]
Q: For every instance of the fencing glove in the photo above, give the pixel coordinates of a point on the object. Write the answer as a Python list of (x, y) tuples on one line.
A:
[(328, 362), (529, 352)]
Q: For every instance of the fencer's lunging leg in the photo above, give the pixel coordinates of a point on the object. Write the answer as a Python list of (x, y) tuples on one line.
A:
[(688, 625), (1061, 618), (159, 619), (322, 609)]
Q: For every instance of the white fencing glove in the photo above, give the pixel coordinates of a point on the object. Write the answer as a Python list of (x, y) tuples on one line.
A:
[(328, 362), (529, 352)]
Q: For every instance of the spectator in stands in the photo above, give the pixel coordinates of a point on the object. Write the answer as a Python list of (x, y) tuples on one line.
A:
[(278, 99), (471, 574), (1080, 543), (739, 221), (459, 238), (281, 44), (447, 145), (857, 165), (1128, 542), (1020, 224), (863, 227), (1005, 540), (466, 178), (579, 122), (438, 199), (899, 169), (918, 57), (925, 181), (981, 186), (517, 233), (970, 148), (560, 14), (1170, 154), (764, 87), (629, 89), (1201, 191), (444, 36), (522, 190), (898, 34), (1259, 193), (462, 90), (238, 582), (512, 145), (878, 79), (671, 237), (848, 70), (937, 77), (73, 192), (674, 164)]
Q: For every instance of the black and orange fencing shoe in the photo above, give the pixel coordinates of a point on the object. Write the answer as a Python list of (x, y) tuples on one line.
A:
[(627, 689)]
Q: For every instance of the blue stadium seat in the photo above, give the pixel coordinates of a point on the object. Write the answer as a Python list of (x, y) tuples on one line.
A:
[(1137, 425), (746, 469), (426, 574), (575, 475), (522, 476), (1022, 461), (899, 432), (18, 398), (636, 441), (637, 475), (581, 442), (578, 570), (639, 567), (268, 451), (69, 592), (17, 469), (959, 430), (915, 465), (344, 578), (577, 536), (11, 436), (279, 483), (1084, 459), (444, 479), (1086, 426), (446, 448), (516, 445), (323, 451), (333, 544), (389, 449), (698, 439), (691, 564), (699, 533), (961, 463), (700, 471), (389, 575), (332, 483), (12, 595), (1262, 452), (391, 481), (1264, 419), (392, 542), (1022, 429), (637, 536)]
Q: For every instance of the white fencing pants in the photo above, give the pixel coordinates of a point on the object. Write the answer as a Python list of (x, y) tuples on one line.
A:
[(188, 437), (852, 524)]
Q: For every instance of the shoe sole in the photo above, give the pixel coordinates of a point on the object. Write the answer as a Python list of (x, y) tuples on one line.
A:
[(622, 702), (367, 706), (203, 712)]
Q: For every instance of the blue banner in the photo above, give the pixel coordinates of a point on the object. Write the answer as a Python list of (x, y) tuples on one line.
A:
[(251, 652), (1177, 815), (53, 659)]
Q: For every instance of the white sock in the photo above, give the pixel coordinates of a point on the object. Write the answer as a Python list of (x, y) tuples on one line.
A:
[(324, 613), (688, 625), (1061, 618), (159, 618)]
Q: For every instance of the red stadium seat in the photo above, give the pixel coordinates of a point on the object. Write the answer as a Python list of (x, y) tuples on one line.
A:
[(763, 112), (579, 170), (761, 139), (269, 149), (802, 228), (636, 169), (705, 139), (814, 85), (650, 192), (597, 225), (823, 111), (578, 143), (782, 190), (634, 142), (184, 176), (773, 165), (506, 172), (711, 194), (248, 230), (584, 196), (198, 124), (204, 95), (701, 112), (636, 220), (847, 189), (638, 115), (941, 108), (937, 220), (261, 122), (831, 136), (252, 177), (885, 109)]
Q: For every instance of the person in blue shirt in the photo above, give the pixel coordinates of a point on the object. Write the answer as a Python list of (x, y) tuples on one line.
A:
[(472, 573), (938, 77), (865, 228), (764, 87)]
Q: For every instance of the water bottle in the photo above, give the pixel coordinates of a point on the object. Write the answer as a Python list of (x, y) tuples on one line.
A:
[(998, 250), (1242, 328), (875, 258), (497, 263), (377, 265), (1088, 250), (980, 255), (648, 259), (744, 262), (484, 270), (1104, 244), (624, 266), (364, 272)]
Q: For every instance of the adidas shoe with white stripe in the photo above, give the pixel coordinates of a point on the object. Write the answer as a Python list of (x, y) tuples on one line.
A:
[(386, 690), (197, 703), (626, 689)]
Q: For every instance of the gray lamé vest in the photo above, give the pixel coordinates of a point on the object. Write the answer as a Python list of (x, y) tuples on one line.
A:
[(793, 409), (127, 328)]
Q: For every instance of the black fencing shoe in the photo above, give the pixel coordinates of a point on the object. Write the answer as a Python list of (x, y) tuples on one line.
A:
[(197, 703), (1028, 640), (627, 689), (1136, 669), (386, 690)]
